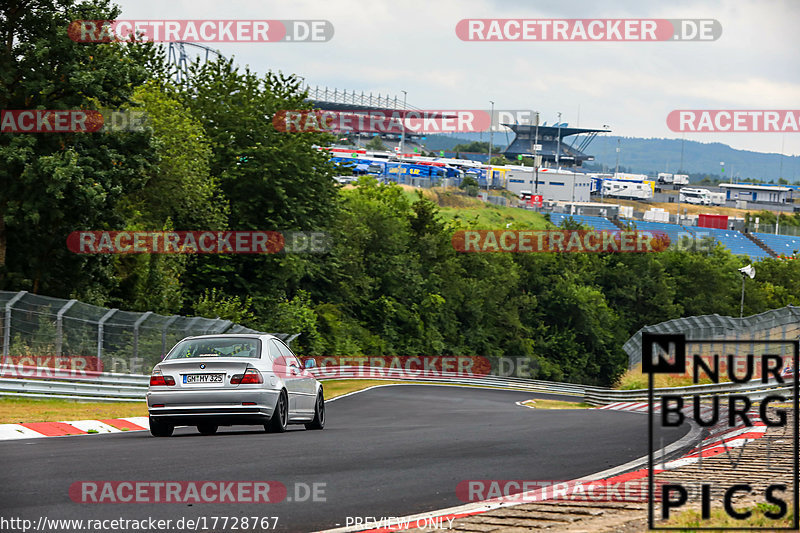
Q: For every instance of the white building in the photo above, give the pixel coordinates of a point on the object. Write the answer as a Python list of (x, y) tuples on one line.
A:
[(558, 185), (757, 193)]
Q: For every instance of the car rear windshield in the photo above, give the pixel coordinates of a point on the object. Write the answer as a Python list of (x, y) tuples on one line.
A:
[(216, 347)]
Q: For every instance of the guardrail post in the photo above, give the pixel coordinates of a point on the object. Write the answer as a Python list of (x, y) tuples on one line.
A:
[(101, 329), (7, 325), (167, 324), (136, 332), (60, 326)]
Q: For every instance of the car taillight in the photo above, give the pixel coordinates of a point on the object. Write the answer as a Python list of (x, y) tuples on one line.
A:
[(251, 375), (159, 380)]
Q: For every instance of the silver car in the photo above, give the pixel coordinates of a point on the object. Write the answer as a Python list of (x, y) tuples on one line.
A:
[(222, 380)]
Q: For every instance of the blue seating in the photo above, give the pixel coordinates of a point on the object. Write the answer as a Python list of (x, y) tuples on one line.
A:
[(598, 223), (674, 231), (735, 241), (780, 244)]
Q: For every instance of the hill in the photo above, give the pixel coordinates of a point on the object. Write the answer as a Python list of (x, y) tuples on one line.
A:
[(654, 155)]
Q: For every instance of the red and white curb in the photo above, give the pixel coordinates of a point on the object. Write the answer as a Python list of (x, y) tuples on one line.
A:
[(721, 438), (30, 430)]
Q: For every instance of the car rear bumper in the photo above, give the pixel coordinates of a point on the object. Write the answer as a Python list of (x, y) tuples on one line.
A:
[(221, 407)]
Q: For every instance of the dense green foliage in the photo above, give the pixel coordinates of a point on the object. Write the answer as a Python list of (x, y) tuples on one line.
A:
[(391, 283)]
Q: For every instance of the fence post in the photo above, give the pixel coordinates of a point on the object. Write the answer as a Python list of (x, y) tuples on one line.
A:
[(136, 332), (222, 325), (60, 326), (7, 325), (190, 325), (168, 323), (100, 329)]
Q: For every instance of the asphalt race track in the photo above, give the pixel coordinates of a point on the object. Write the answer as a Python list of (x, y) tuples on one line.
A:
[(389, 451)]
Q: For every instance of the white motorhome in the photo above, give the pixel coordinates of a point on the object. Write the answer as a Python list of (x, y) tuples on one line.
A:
[(627, 189), (665, 177), (680, 179), (695, 196)]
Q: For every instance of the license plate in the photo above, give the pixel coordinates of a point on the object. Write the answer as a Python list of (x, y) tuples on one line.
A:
[(202, 378)]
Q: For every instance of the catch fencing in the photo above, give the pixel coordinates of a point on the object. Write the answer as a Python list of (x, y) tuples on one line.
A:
[(776, 324), (39, 331)]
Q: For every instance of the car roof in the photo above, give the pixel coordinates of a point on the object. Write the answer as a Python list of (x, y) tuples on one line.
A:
[(233, 336)]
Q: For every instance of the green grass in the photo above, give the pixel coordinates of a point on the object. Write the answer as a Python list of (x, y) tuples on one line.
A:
[(691, 519), (472, 213), (635, 379), (555, 404), (19, 410), (495, 217)]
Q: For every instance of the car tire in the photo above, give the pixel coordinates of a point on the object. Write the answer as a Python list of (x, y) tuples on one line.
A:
[(207, 429), (160, 429), (280, 418), (319, 413)]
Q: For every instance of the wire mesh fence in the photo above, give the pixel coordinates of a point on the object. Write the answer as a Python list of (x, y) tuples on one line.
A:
[(776, 324), (40, 331)]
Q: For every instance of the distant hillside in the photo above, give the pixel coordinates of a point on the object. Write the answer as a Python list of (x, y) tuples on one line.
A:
[(650, 156), (664, 155)]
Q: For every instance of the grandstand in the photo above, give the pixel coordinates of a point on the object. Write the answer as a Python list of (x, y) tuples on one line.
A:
[(674, 231), (780, 244), (598, 223), (552, 142), (733, 240)]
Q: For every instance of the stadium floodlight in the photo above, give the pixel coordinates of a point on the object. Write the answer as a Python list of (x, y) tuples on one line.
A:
[(403, 124), (491, 140), (749, 270)]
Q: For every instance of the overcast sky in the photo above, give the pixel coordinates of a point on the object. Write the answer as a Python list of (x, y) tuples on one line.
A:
[(384, 46)]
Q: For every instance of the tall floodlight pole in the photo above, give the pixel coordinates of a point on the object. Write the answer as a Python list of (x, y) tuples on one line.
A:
[(403, 125), (491, 142), (558, 150), (536, 155), (745, 271)]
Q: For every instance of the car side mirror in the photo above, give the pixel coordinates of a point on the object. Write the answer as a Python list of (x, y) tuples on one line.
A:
[(310, 363)]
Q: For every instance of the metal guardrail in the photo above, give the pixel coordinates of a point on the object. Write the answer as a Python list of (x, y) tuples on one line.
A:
[(755, 390), (132, 387)]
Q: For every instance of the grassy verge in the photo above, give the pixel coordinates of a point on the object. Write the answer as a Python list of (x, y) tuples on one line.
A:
[(18, 410), (635, 379), (690, 519), (471, 212), (555, 404)]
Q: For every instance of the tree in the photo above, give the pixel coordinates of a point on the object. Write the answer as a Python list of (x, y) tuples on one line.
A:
[(375, 144), (272, 179), (499, 160), (56, 183)]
